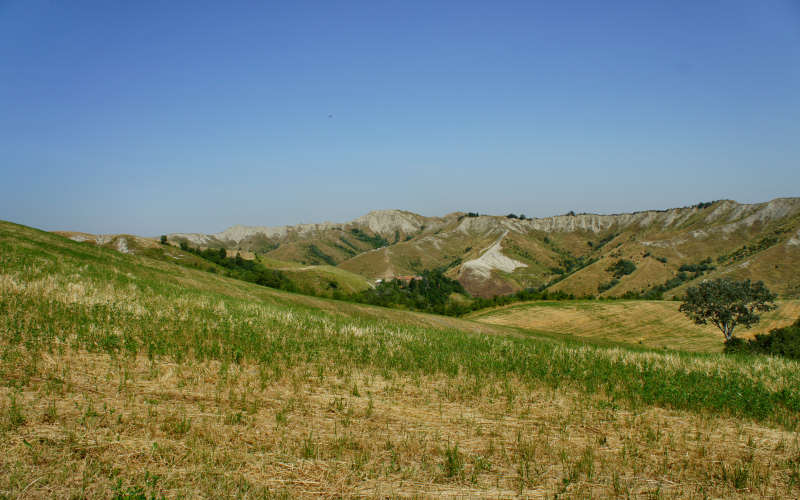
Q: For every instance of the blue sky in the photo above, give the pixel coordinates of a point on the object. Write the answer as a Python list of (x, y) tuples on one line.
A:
[(161, 117)]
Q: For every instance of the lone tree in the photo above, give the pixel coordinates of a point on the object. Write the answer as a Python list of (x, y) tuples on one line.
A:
[(727, 303)]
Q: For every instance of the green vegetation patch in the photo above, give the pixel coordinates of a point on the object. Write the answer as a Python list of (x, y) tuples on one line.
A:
[(602, 287), (318, 255), (57, 294), (376, 240), (621, 268), (429, 292), (748, 250), (239, 268), (784, 342)]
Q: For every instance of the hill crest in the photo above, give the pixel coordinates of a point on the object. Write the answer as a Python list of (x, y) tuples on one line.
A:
[(572, 253)]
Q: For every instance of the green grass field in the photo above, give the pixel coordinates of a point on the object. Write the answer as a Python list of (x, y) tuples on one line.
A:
[(123, 375), (314, 279), (655, 324)]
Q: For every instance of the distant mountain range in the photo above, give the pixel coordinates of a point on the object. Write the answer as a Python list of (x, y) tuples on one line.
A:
[(583, 254)]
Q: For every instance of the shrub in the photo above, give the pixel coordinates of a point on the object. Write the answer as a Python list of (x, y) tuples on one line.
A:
[(699, 268), (376, 240), (453, 464), (318, 255), (621, 268), (602, 287), (784, 342)]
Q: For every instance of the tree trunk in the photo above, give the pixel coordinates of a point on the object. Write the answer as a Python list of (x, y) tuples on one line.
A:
[(728, 331)]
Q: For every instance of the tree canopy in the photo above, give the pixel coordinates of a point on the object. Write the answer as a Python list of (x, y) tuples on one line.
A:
[(726, 303)]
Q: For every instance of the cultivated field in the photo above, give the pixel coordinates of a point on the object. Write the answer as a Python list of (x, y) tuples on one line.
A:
[(124, 375), (655, 324)]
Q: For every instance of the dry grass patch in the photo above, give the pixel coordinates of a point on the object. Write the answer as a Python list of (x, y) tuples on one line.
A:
[(90, 425), (649, 323), (127, 376)]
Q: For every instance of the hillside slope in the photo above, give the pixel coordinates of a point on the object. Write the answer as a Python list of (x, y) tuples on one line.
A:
[(321, 280), (573, 253), (325, 243), (656, 324), (130, 377), (493, 255)]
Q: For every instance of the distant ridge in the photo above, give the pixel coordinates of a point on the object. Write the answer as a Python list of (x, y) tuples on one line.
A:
[(572, 253)]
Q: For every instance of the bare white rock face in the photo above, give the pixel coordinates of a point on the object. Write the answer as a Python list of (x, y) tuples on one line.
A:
[(122, 245), (488, 225), (492, 258), (794, 241), (196, 238), (239, 232), (386, 222)]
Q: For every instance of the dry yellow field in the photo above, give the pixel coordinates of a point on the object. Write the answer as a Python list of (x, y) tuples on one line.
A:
[(649, 323), (92, 426), (135, 379)]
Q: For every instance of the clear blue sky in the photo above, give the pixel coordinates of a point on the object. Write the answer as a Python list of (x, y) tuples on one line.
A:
[(161, 117)]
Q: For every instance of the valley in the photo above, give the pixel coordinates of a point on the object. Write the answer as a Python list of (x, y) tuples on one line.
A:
[(147, 366), (493, 255), (399, 250), (130, 376)]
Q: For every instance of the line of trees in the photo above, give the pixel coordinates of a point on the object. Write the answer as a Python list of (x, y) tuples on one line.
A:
[(252, 271), (431, 293)]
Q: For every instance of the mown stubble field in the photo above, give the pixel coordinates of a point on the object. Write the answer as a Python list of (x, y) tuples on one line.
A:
[(121, 376)]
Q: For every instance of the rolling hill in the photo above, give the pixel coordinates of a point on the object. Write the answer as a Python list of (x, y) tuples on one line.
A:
[(574, 253), (320, 280), (130, 376), (652, 323)]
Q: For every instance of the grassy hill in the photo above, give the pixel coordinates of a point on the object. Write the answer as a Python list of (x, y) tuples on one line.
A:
[(320, 280), (326, 280), (573, 253), (649, 323), (136, 377)]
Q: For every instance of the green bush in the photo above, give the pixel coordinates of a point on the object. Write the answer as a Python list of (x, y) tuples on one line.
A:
[(699, 268), (784, 342), (430, 293), (376, 240), (602, 287), (237, 267), (318, 255), (621, 268)]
